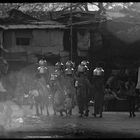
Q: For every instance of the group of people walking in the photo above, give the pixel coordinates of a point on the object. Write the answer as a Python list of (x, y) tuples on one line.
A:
[(70, 86)]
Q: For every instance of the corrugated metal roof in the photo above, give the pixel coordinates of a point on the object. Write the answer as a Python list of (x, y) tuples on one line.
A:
[(48, 22), (81, 12), (29, 26), (19, 20), (86, 22)]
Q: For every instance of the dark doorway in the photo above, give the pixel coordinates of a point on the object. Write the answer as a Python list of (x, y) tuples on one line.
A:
[(67, 42)]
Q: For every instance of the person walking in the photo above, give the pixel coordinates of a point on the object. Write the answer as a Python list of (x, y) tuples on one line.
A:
[(131, 96), (82, 84), (69, 86), (98, 83)]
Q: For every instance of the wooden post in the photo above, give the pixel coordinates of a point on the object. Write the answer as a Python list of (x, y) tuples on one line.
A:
[(71, 32)]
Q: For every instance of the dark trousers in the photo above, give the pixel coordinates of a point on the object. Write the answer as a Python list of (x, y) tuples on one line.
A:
[(132, 102), (98, 105), (82, 105), (98, 108)]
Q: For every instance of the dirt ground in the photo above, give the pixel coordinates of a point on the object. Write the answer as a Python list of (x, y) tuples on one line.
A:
[(112, 125)]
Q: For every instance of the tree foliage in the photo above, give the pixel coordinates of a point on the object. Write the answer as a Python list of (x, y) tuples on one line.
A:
[(4, 7), (131, 7)]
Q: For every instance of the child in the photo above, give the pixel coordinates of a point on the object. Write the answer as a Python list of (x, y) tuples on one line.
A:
[(68, 104)]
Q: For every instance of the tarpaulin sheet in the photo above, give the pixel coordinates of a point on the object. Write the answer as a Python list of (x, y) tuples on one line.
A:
[(83, 40), (138, 83)]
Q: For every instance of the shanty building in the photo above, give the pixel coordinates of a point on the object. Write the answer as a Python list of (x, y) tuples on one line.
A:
[(24, 37)]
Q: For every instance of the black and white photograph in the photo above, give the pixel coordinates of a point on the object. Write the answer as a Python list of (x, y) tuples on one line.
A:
[(70, 70)]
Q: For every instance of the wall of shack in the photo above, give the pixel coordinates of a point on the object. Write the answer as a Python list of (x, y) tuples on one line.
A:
[(41, 40)]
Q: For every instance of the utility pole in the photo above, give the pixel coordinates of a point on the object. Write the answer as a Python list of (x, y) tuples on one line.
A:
[(71, 53)]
